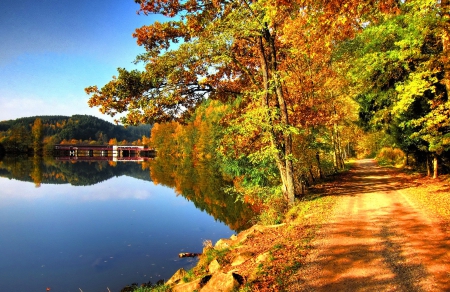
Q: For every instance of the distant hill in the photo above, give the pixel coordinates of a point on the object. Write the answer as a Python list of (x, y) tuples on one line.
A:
[(17, 133)]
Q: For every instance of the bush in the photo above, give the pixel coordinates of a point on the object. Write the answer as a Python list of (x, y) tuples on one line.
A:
[(391, 156)]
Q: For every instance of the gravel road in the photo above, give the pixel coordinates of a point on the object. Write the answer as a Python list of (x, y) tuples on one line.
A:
[(377, 240)]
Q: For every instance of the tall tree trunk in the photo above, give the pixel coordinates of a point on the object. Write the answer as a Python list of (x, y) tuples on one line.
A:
[(311, 174), (428, 165), (435, 165), (339, 144), (318, 165), (445, 14), (338, 161), (283, 157), (335, 159), (284, 117)]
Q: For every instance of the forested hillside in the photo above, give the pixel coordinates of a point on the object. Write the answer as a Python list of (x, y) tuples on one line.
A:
[(42, 132)]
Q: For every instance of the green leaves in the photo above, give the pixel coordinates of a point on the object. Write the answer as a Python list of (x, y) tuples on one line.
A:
[(399, 77)]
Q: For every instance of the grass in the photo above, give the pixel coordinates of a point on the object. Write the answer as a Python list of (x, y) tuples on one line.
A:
[(161, 288), (432, 194), (151, 288)]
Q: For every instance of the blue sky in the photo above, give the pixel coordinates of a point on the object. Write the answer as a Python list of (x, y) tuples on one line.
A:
[(50, 50)]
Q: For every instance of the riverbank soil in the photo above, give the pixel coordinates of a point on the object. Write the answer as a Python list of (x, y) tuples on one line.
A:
[(387, 231)]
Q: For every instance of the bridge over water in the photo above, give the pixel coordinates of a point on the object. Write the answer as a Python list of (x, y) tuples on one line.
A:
[(103, 152)]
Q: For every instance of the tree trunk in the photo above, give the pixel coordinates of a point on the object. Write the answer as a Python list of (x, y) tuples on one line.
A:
[(348, 150), (428, 165), (311, 174), (284, 117), (339, 144), (283, 157), (318, 165), (445, 10), (435, 165), (335, 160)]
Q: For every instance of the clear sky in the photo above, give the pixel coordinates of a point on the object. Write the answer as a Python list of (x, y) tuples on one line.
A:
[(50, 50)]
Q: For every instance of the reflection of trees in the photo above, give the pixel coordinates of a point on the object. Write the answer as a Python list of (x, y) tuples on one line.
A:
[(49, 171), (203, 185), (36, 173)]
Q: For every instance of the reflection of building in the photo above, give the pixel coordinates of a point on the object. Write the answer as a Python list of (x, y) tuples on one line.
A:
[(104, 152)]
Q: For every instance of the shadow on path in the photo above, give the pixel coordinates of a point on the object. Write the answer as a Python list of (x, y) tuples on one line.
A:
[(365, 177), (376, 241)]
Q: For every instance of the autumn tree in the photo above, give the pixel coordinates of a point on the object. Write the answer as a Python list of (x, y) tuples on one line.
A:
[(222, 56), (18, 140), (231, 51), (37, 134), (400, 74)]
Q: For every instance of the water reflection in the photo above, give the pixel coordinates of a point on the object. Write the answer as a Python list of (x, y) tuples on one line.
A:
[(93, 225), (201, 183), (77, 173)]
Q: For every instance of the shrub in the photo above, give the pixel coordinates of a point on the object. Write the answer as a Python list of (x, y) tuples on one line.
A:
[(391, 156)]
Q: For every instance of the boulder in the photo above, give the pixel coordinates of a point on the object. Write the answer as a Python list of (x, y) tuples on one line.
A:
[(222, 282), (241, 258), (188, 287), (214, 266), (177, 277), (222, 244)]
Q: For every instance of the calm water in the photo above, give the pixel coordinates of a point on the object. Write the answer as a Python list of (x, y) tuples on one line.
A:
[(89, 226)]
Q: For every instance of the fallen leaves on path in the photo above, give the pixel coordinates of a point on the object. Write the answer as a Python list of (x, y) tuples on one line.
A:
[(380, 236), (370, 229)]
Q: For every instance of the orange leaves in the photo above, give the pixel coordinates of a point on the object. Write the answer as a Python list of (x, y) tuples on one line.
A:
[(159, 36), (165, 7)]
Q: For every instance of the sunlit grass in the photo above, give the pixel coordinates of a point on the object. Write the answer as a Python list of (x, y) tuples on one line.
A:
[(433, 194)]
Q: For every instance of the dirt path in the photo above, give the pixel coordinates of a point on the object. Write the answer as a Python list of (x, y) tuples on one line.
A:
[(376, 240)]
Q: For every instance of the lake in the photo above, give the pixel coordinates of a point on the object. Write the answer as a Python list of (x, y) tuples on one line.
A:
[(99, 225)]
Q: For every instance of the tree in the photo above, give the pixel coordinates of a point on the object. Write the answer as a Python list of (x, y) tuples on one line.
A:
[(222, 56), (18, 140), (37, 134), (247, 54), (400, 72)]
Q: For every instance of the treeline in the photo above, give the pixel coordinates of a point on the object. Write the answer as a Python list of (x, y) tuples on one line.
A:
[(40, 133), (319, 151), (296, 83), (398, 72)]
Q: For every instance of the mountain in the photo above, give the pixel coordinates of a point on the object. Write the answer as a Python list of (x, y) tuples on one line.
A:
[(16, 135)]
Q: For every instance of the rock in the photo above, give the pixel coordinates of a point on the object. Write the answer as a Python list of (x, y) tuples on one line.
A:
[(222, 244), (177, 277), (262, 257), (214, 266), (222, 282), (188, 287), (241, 258), (246, 234)]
